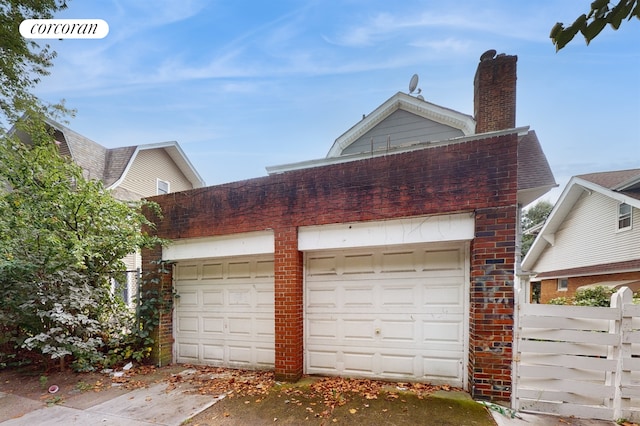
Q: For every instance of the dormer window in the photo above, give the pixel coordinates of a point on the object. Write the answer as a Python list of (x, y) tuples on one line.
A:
[(162, 187), (624, 216)]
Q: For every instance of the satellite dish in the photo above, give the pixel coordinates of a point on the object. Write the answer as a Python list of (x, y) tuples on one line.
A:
[(413, 83)]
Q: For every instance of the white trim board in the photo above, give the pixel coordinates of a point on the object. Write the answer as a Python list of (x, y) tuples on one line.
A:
[(243, 244), (420, 229)]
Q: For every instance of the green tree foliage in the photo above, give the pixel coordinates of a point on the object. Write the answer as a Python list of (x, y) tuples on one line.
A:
[(534, 215), (23, 62), (61, 239), (602, 12)]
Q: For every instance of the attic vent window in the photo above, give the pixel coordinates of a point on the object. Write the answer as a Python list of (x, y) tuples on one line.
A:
[(624, 216), (162, 187)]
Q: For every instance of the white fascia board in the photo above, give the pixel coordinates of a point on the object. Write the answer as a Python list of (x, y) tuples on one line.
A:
[(422, 229), (250, 243)]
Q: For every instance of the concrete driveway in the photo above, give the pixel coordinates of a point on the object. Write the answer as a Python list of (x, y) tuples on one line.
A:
[(155, 405)]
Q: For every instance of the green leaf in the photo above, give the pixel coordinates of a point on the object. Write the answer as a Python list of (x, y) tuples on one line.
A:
[(593, 29)]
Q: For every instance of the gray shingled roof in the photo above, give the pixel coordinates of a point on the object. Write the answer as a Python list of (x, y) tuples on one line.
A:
[(533, 169), (613, 179), (626, 182), (116, 163)]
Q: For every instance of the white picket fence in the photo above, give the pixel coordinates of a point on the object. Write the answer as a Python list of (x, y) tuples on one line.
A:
[(579, 361)]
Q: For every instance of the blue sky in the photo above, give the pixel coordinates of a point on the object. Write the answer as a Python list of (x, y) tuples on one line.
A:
[(242, 85)]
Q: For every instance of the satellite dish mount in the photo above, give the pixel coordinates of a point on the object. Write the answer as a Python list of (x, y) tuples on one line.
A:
[(413, 86)]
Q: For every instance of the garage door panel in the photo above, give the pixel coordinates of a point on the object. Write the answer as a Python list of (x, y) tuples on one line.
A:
[(189, 298), (361, 296), (319, 329), (399, 262), (447, 260), (213, 353), (265, 327), (358, 264), (188, 324), (385, 312), (397, 365), (319, 360), (186, 272), (264, 296), (322, 297), (238, 270), (239, 354), (442, 294), (397, 331), (357, 329), (224, 314), (359, 363), (212, 271), (399, 295), (441, 368), (212, 325), (264, 269), (442, 331), (265, 357), (239, 326), (189, 350), (211, 298)]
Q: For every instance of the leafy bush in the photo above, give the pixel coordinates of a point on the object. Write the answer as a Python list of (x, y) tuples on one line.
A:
[(594, 296), (61, 239)]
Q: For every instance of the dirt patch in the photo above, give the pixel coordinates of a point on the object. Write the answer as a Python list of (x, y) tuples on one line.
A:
[(65, 387), (255, 398), (403, 408)]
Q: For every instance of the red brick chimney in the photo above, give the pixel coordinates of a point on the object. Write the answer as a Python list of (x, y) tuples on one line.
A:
[(494, 103)]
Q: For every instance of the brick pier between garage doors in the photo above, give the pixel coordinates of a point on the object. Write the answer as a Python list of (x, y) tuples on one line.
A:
[(396, 264)]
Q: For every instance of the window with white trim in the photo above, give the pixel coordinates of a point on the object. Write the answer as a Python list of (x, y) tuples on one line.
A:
[(624, 216), (563, 284), (162, 187)]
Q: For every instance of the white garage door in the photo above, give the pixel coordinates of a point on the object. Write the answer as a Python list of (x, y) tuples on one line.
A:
[(396, 313), (224, 313)]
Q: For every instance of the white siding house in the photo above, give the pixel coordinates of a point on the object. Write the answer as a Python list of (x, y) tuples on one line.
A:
[(591, 236)]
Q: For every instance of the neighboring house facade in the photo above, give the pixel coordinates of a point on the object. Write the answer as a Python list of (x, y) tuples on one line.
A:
[(130, 173), (591, 237), (394, 257)]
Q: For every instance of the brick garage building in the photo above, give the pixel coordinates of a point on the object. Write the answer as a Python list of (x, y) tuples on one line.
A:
[(394, 257)]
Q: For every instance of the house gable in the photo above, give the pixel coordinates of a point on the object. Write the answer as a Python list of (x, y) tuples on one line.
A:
[(137, 176), (146, 167), (401, 121), (407, 129), (581, 231)]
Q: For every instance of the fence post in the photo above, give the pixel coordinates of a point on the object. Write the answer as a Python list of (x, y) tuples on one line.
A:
[(621, 352)]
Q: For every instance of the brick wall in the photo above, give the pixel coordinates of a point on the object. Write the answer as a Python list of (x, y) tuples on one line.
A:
[(474, 176), (288, 305), (549, 287), (492, 299), (495, 93)]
